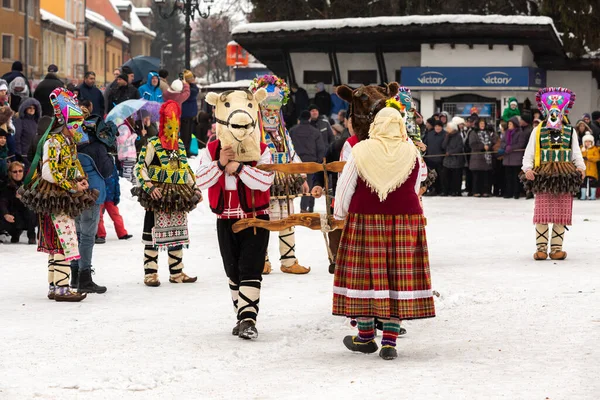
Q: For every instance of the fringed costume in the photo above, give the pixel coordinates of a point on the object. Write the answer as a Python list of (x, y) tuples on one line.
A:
[(238, 190), (285, 187), (55, 190), (554, 157), (382, 266), (168, 192)]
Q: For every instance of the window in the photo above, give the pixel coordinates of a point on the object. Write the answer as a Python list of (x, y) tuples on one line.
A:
[(363, 77), (22, 6), (7, 4), (318, 76), (21, 49), (7, 47), (114, 64), (32, 51)]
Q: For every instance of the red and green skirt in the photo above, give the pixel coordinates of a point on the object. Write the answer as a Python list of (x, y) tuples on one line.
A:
[(382, 268)]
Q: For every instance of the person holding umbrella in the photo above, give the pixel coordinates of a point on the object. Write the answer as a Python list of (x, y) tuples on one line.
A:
[(123, 91)]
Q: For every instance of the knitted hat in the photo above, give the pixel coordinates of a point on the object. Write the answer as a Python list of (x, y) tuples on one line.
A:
[(188, 76), (587, 138), (586, 115), (3, 133), (313, 107), (176, 86), (431, 121), (52, 68), (17, 66), (437, 122), (3, 85), (124, 77)]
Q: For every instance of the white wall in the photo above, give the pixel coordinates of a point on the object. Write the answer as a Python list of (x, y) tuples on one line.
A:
[(395, 61), (354, 61), (442, 55), (582, 84)]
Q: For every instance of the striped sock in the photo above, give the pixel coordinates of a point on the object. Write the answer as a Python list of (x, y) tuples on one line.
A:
[(391, 329), (366, 329)]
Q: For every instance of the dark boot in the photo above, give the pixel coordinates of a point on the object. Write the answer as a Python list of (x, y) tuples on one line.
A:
[(236, 329), (74, 277), (352, 343), (87, 285), (247, 330), (388, 353)]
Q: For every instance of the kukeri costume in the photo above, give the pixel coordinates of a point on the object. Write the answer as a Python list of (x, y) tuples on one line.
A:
[(239, 194), (382, 268), (162, 166), (51, 190), (285, 187), (554, 155)]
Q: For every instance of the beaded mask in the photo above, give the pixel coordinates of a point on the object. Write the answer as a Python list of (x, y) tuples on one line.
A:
[(68, 114), (555, 103)]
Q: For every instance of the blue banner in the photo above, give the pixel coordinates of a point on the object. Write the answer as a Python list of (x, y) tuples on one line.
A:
[(490, 78)]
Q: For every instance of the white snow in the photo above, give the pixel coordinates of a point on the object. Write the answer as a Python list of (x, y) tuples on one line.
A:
[(507, 327), (56, 20), (244, 83), (305, 25), (135, 24), (100, 20)]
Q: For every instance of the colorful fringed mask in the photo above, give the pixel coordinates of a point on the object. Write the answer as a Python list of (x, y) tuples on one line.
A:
[(555, 103), (170, 114), (68, 114), (404, 96), (277, 96)]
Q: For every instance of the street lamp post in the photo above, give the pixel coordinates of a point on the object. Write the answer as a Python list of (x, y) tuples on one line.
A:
[(189, 8), (165, 50)]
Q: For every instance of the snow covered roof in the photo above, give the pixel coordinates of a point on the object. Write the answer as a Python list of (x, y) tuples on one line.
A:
[(244, 83), (143, 11), (104, 24), (134, 24), (306, 25), (137, 25), (56, 20)]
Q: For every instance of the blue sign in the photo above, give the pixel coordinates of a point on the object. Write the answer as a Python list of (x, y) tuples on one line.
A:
[(486, 78)]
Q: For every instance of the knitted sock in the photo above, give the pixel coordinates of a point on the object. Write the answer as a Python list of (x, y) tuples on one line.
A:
[(366, 329), (234, 288), (558, 235), (391, 330), (541, 237)]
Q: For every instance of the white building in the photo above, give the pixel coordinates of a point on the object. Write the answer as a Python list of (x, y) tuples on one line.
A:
[(456, 63)]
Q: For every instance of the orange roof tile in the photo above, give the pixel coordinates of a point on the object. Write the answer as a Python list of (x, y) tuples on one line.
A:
[(103, 7)]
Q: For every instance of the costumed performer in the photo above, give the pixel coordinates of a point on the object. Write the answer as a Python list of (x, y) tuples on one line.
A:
[(382, 268)]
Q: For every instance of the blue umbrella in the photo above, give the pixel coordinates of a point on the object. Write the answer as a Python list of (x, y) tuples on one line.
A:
[(142, 65), (126, 109)]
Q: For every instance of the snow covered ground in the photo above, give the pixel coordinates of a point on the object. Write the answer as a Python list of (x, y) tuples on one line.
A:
[(507, 327)]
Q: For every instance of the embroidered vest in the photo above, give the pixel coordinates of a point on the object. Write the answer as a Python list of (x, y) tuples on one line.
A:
[(168, 166), (243, 196), (556, 146)]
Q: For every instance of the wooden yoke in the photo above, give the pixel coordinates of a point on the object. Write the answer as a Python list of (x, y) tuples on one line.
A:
[(308, 220)]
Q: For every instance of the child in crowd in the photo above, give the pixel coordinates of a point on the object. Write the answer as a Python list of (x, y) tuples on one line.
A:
[(126, 149), (146, 131), (113, 197), (591, 155)]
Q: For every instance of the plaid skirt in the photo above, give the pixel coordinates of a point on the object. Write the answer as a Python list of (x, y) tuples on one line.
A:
[(382, 268), (553, 209)]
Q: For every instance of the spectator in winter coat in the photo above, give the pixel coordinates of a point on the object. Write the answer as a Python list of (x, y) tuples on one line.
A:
[(321, 122), (42, 126), (151, 89), (323, 100), (202, 128), (113, 197), (337, 105), (163, 74), (45, 88), (309, 146), (178, 92), (453, 163), (126, 149), (595, 125), (513, 147), (123, 91), (481, 140), (15, 217), (7, 155), (18, 92), (582, 128), (435, 156), (89, 91), (189, 110), (146, 130), (512, 110), (26, 126), (525, 122), (445, 118), (16, 71), (591, 155), (300, 97)]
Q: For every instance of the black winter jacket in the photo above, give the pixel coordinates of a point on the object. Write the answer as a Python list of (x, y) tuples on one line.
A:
[(119, 94), (43, 91), (308, 142), (323, 125), (93, 94), (434, 141), (26, 126), (99, 153)]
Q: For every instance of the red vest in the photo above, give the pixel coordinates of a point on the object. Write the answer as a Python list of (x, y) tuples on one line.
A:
[(402, 201), (243, 196), (352, 140)]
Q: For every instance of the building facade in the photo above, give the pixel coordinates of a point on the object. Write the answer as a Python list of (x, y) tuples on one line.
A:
[(12, 45), (136, 21)]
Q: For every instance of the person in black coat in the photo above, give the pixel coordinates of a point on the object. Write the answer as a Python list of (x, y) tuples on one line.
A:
[(89, 91), (45, 88), (309, 146), (15, 217), (300, 97), (123, 91), (321, 122), (435, 156), (16, 71), (26, 127), (323, 100)]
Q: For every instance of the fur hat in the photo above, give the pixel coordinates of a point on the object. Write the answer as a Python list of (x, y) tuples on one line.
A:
[(451, 126), (188, 76), (458, 121), (587, 138)]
